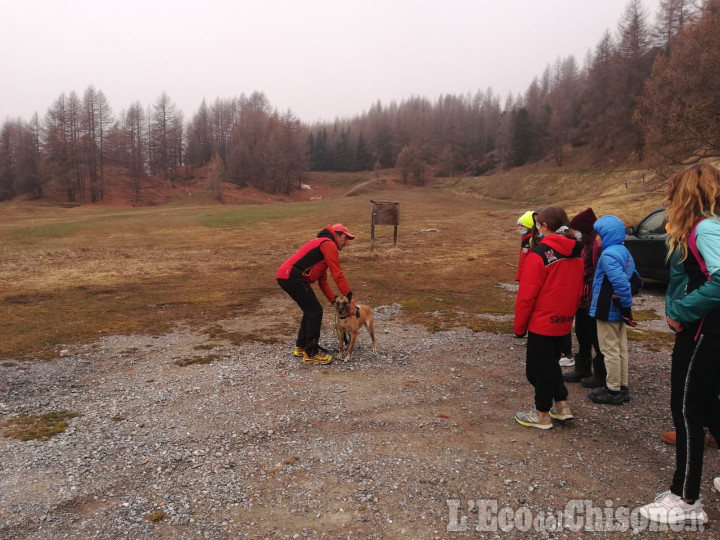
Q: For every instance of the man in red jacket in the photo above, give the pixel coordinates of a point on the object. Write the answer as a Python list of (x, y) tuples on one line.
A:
[(310, 264)]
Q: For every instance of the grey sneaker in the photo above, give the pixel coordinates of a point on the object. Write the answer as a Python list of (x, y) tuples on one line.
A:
[(625, 393), (532, 419), (670, 509), (563, 413), (716, 483)]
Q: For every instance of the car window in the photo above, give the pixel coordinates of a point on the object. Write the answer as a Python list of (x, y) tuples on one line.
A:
[(653, 224)]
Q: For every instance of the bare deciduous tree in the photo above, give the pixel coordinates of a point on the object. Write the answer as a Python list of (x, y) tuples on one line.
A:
[(679, 109), (134, 130)]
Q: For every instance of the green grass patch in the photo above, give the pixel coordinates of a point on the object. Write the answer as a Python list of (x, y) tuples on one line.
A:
[(646, 315), (247, 216), (37, 427), (208, 359), (155, 516), (653, 340)]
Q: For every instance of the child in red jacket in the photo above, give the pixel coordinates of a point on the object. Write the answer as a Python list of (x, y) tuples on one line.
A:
[(525, 225), (548, 297)]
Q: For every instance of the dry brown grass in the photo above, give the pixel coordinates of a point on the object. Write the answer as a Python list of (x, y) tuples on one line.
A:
[(26, 427), (72, 274)]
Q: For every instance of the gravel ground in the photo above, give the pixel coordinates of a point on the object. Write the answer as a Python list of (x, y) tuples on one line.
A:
[(402, 443)]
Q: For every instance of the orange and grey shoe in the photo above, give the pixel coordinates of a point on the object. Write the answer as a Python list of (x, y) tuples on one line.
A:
[(299, 351), (317, 359)]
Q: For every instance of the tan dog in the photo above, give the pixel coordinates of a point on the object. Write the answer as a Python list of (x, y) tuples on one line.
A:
[(351, 323)]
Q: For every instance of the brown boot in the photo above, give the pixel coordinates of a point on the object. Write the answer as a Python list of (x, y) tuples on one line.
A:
[(670, 437)]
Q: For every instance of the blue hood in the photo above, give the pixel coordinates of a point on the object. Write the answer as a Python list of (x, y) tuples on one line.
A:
[(611, 229)]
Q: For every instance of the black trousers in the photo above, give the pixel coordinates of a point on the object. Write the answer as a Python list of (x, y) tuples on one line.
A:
[(543, 371), (586, 334), (694, 388), (567, 346), (303, 294)]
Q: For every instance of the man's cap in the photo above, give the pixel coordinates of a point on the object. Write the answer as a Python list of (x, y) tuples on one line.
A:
[(339, 227)]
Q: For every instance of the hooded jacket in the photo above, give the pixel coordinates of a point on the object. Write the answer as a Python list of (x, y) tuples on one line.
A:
[(311, 262), (690, 296), (550, 287), (611, 286)]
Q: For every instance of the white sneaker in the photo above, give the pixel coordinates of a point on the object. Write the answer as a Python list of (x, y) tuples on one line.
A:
[(566, 362), (670, 509), (716, 483)]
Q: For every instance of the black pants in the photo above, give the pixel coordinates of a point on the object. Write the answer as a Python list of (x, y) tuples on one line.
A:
[(586, 333), (303, 294), (543, 371), (567, 346), (695, 384)]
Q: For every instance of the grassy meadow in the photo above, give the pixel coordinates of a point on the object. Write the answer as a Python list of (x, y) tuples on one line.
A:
[(72, 274)]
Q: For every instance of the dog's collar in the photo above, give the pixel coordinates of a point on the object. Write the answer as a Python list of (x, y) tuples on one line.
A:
[(357, 313)]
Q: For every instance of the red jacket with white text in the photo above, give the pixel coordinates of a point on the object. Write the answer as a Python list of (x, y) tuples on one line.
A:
[(550, 288)]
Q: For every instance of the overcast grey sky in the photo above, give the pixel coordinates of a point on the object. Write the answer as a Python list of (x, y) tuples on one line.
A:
[(320, 58)]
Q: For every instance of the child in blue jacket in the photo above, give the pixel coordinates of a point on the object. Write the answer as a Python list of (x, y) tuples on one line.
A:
[(611, 307)]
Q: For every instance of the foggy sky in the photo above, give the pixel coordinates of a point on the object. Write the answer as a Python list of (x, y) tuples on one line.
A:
[(321, 59)]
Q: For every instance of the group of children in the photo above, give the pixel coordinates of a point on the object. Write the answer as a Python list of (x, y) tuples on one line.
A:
[(581, 271), (569, 271)]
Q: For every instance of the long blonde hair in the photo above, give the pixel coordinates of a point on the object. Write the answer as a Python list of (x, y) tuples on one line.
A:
[(691, 194)]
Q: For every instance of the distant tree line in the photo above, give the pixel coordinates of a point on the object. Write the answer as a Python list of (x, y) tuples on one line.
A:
[(648, 90)]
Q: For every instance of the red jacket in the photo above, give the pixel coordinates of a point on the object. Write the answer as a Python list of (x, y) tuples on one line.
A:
[(312, 261), (550, 288)]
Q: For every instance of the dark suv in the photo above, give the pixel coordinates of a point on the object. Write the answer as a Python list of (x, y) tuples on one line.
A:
[(646, 243)]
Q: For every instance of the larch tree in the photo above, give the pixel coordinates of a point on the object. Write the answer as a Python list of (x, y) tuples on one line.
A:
[(56, 145), (216, 176), (199, 137), (632, 69), (74, 118), (135, 144), (679, 110), (94, 121), (162, 135), (671, 17), (7, 161), (291, 152)]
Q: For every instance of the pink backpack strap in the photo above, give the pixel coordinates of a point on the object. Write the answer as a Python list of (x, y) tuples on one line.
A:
[(692, 244)]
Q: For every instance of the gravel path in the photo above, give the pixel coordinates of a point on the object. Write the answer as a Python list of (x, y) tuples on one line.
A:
[(256, 445)]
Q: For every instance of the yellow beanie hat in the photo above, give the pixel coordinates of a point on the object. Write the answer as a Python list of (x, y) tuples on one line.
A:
[(526, 220)]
